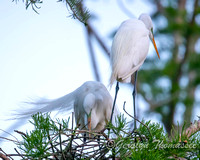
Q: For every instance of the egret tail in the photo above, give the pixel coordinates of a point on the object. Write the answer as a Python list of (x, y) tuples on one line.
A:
[(62, 104)]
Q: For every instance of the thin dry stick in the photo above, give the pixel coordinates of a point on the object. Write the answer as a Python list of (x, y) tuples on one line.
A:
[(72, 136), (136, 118), (63, 156), (6, 154), (101, 153), (9, 139), (4, 157), (19, 153), (8, 134), (72, 120), (19, 132), (50, 140)]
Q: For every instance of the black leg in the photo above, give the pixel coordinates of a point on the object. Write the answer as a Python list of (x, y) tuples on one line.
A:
[(116, 91), (134, 94), (98, 140), (84, 139)]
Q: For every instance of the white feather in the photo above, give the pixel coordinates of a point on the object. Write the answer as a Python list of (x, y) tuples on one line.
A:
[(130, 47), (91, 96)]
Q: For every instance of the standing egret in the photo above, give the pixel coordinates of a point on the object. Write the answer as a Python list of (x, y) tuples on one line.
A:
[(129, 50), (92, 104)]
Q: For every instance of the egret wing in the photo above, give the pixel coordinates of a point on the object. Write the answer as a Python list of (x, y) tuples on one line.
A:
[(129, 49)]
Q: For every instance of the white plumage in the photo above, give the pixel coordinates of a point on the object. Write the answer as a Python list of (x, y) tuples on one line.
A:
[(92, 97), (130, 47)]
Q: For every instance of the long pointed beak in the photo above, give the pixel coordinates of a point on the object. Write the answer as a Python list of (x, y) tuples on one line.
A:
[(154, 44), (89, 125)]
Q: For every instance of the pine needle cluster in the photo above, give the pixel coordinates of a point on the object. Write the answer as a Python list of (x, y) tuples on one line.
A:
[(75, 8), (53, 139), (78, 11)]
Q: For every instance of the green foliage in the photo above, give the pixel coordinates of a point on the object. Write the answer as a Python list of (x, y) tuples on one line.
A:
[(121, 126), (33, 3), (174, 79), (150, 141), (78, 11), (54, 140), (37, 143)]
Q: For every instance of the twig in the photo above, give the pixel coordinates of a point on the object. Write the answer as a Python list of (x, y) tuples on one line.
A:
[(102, 44), (19, 153), (136, 119), (4, 157), (50, 140), (10, 135), (9, 139), (5, 154), (102, 153), (19, 132), (63, 156), (72, 136), (72, 120), (161, 103)]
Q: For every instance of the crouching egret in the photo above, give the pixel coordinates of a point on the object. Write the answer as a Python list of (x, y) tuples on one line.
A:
[(92, 104), (129, 50)]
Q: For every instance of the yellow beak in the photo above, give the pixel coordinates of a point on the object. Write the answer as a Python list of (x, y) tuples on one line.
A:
[(154, 44)]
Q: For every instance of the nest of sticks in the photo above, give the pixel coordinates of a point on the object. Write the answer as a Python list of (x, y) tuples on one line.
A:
[(71, 145), (63, 144)]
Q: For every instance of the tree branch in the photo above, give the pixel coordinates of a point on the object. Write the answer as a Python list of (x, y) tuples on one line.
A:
[(102, 44), (187, 51), (91, 51), (159, 6)]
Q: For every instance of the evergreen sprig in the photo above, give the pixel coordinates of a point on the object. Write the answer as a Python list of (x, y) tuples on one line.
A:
[(39, 143), (33, 3), (78, 11), (54, 140), (75, 7), (140, 144)]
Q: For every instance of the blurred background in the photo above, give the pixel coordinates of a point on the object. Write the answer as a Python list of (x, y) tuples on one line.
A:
[(51, 54)]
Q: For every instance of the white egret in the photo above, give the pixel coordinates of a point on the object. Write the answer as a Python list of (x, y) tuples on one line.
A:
[(129, 50), (92, 104)]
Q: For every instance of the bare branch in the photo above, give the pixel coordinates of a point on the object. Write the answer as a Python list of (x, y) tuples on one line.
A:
[(91, 51), (102, 44), (136, 119), (159, 6), (4, 157)]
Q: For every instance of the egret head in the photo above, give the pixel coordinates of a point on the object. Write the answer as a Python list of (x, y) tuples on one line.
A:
[(146, 19)]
